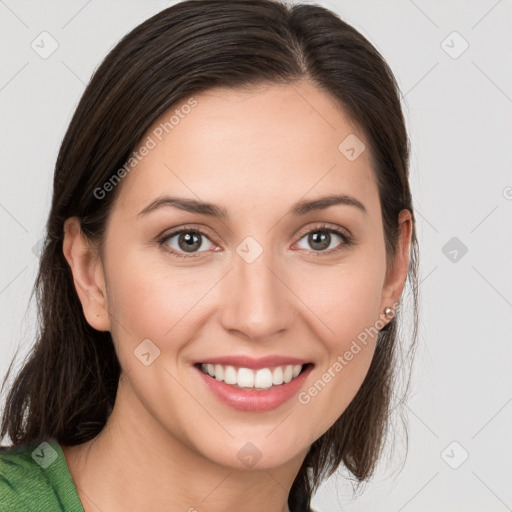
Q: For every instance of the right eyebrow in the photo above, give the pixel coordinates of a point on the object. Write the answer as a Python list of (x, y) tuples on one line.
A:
[(189, 205)]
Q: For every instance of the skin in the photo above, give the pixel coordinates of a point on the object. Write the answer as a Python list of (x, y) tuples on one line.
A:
[(169, 443)]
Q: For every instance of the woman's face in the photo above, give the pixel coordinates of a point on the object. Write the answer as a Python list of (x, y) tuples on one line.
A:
[(258, 279)]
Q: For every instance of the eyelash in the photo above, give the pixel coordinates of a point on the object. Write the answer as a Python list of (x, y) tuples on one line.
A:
[(347, 240)]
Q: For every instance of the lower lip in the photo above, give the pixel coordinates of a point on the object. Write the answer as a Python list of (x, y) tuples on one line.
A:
[(254, 400)]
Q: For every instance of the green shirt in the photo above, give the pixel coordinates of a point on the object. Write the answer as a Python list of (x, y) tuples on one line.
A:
[(36, 478)]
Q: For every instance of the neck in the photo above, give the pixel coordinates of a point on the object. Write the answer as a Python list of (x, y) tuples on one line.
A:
[(136, 464)]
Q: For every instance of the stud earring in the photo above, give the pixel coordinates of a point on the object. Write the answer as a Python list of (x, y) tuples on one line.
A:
[(388, 311)]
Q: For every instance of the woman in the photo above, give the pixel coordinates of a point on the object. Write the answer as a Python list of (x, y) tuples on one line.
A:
[(229, 238)]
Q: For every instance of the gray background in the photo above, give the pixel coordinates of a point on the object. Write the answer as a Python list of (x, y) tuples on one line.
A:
[(458, 106)]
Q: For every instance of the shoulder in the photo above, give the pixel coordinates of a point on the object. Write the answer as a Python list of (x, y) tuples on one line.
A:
[(36, 477)]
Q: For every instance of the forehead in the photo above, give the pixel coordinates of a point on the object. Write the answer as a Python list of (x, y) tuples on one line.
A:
[(270, 144)]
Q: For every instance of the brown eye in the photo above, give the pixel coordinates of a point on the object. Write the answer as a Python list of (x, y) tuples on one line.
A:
[(187, 241), (323, 240), (319, 240)]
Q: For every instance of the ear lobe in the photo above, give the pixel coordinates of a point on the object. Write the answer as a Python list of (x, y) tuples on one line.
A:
[(397, 274), (88, 276)]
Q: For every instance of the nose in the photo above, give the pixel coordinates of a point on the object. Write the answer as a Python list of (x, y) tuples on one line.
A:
[(257, 304)]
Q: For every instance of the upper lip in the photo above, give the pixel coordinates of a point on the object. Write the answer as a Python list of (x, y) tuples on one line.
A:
[(254, 363)]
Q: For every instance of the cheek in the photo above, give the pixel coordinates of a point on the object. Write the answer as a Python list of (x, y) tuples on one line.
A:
[(346, 299), (348, 304), (151, 300), (157, 299)]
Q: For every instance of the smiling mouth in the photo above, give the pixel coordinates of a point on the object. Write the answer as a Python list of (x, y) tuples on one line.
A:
[(253, 379)]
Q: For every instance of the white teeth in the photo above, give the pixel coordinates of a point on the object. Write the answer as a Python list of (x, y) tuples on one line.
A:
[(262, 378), (219, 372), (230, 375), (245, 378), (277, 376)]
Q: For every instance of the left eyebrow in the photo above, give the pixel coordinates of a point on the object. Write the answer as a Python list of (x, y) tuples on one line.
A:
[(203, 208), (304, 207)]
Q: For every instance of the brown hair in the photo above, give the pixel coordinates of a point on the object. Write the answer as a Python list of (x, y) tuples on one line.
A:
[(67, 386)]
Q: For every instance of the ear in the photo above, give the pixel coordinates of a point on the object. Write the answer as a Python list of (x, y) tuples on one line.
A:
[(88, 276), (397, 273)]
